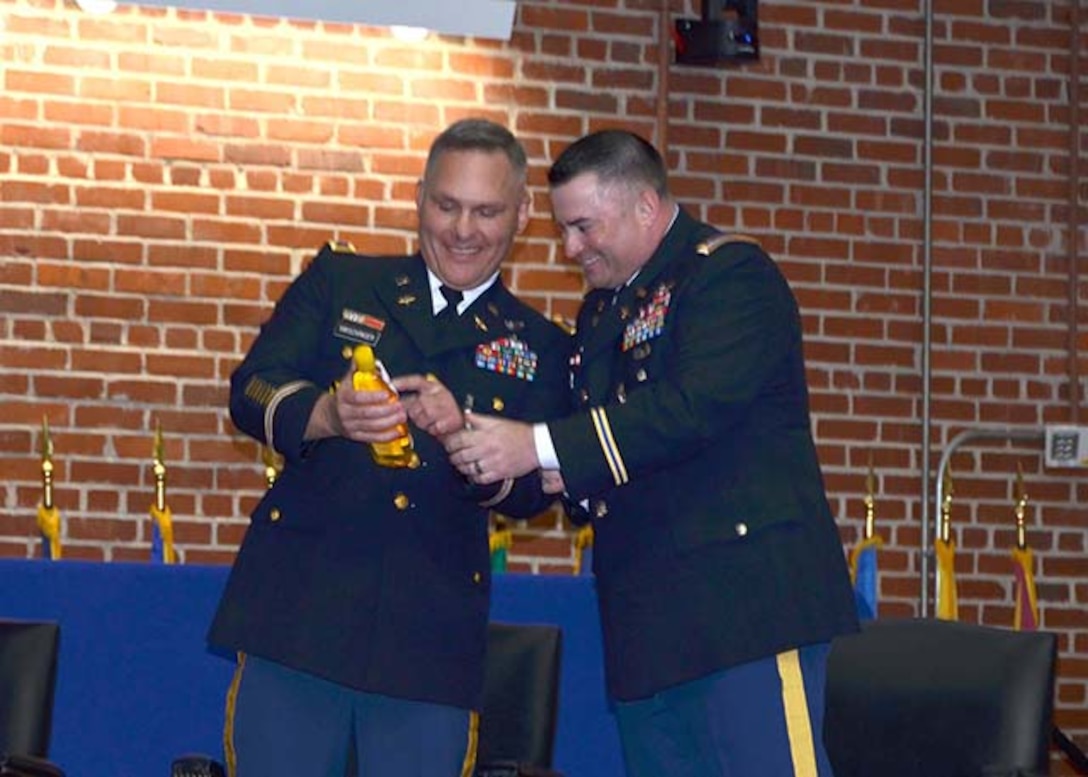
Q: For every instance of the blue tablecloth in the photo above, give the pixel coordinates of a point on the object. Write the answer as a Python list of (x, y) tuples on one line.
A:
[(137, 686)]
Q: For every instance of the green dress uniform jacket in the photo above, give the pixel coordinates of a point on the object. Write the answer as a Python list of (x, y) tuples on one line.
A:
[(372, 577), (714, 543)]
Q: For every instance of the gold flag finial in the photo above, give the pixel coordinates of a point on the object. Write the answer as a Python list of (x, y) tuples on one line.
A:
[(946, 508), (47, 465), (1021, 508), (870, 500)]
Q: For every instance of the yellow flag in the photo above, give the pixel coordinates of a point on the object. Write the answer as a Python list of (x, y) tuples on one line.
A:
[(49, 525), (948, 607)]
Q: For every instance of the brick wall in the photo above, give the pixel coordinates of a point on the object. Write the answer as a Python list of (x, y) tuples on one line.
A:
[(166, 173)]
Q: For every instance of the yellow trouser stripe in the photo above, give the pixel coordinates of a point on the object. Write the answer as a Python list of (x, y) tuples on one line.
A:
[(608, 445), (798, 723), (469, 766), (228, 718)]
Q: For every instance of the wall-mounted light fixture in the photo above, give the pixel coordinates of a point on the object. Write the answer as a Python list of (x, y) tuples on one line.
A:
[(728, 32), (470, 18)]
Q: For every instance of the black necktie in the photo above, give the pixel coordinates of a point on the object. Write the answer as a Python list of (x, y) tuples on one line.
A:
[(453, 299)]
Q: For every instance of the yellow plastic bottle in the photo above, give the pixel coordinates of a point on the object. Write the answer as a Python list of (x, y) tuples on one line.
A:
[(369, 375)]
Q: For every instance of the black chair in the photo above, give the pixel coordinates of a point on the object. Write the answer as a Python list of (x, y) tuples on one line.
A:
[(28, 673), (521, 701), (933, 698)]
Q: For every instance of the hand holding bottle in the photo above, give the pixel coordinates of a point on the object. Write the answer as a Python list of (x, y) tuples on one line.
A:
[(369, 375)]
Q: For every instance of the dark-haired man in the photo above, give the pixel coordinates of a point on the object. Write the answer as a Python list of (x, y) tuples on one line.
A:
[(720, 572)]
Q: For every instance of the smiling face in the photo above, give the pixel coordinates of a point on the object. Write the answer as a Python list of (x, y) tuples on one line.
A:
[(472, 204), (611, 230)]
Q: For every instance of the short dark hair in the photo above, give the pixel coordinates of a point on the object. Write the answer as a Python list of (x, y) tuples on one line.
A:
[(614, 156), (477, 135)]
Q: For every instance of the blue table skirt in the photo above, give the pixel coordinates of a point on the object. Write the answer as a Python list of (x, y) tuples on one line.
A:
[(137, 686)]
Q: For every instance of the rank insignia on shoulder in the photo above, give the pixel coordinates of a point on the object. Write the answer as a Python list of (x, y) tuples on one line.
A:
[(707, 247), (508, 356), (341, 246)]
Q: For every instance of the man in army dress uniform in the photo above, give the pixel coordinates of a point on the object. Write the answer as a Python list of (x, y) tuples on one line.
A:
[(359, 599), (720, 573)]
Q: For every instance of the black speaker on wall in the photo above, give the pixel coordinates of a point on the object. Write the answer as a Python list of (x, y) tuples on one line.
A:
[(727, 33)]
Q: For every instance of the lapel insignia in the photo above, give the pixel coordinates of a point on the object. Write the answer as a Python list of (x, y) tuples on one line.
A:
[(493, 309), (650, 320), (359, 327), (480, 323), (507, 356), (641, 292), (402, 281), (406, 299), (600, 305), (513, 326), (624, 313)]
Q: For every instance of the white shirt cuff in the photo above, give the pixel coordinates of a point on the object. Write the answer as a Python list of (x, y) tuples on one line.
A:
[(545, 449)]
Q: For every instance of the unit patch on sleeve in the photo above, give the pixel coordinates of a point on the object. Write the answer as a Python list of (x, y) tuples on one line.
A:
[(359, 327), (508, 356)]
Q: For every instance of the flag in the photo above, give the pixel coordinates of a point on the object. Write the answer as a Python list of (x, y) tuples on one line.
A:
[(948, 607), (583, 550), (162, 535), (49, 525), (499, 541), (1026, 615), (162, 521), (48, 514), (863, 574)]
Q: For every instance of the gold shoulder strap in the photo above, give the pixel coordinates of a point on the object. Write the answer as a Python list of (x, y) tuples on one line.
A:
[(707, 247), (341, 246)]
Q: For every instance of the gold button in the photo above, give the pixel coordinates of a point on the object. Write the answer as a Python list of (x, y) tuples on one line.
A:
[(274, 514), (640, 376), (742, 529), (497, 404), (477, 577), (401, 501), (346, 351), (601, 509), (583, 396)]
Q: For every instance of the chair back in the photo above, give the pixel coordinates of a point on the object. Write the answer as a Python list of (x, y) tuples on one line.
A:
[(521, 695), (934, 698), (28, 671)]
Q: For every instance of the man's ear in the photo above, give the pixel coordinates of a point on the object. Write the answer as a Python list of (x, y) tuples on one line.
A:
[(646, 206), (524, 210)]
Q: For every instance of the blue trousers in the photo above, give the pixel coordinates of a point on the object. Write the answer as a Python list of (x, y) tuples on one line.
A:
[(284, 723), (761, 719)]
